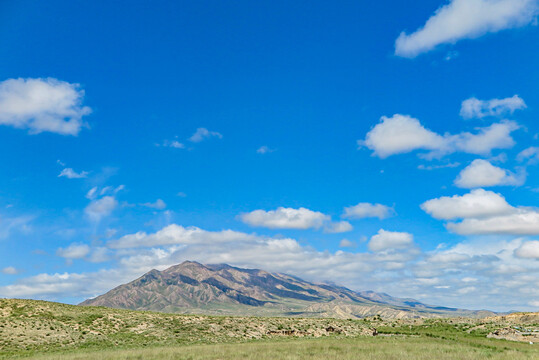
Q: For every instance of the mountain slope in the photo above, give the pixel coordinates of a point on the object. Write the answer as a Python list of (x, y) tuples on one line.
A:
[(191, 287)]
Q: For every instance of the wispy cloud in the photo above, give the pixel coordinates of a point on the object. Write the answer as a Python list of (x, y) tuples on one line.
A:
[(264, 150), (203, 133), (100, 208), (157, 204), (72, 174), (465, 19)]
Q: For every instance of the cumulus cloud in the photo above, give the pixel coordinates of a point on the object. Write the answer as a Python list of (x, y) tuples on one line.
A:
[(528, 250), (42, 105), (475, 108), (402, 134), (345, 243), (285, 218), (10, 270), (175, 235), (158, 205), (72, 174), (367, 210), (483, 212), (522, 222), (100, 208), (385, 240), (402, 270), (478, 203), (99, 254), (74, 251), (141, 252), (338, 227), (203, 133), (481, 173), (465, 19)]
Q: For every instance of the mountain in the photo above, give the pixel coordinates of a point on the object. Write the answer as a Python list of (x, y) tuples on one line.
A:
[(221, 289)]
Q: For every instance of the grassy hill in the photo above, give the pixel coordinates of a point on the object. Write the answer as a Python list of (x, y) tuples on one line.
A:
[(30, 326), (47, 330)]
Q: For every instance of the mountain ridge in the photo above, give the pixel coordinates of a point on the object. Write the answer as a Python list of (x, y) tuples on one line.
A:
[(221, 289)]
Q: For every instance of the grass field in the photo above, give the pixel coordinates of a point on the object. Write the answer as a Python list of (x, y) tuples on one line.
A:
[(324, 348), (43, 330)]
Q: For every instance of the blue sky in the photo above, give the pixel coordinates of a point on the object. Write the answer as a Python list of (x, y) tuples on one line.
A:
[(378, 145)]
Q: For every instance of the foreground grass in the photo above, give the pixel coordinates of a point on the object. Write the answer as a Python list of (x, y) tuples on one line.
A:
[(29, 327), (44, 330), (372, 348)]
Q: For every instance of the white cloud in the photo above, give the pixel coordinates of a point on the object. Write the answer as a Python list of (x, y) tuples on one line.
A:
[(475, 108), (347, 243), (400, 134), (181, 194), (481, 173), (285, 218), (528, 250), (10, 270), (531, 154), (478, 203), (101, 208), (523, 222), (158, 204), (99, 254), (41, 105), (105, 190), (264, 150), (502, 281), (173, 144), (465, 19), (91, 194), (74, 251), (203, 133), (385, 240), (72, 174), (367, 210), (17, 224), (177, 235), (403, 134), (483, 212), (338, 227), (435, 167)]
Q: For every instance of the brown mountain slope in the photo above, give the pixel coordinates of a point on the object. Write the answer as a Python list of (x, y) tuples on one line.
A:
[(191, 287)]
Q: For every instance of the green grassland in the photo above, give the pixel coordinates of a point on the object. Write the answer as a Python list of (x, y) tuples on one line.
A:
[(45, 330)]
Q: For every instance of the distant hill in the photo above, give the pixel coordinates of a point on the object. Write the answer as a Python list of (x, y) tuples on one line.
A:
[(191, 287)]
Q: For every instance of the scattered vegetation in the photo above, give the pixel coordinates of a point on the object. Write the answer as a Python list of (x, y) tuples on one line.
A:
[(45, 330)]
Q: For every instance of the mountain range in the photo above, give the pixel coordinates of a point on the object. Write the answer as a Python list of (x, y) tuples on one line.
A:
[(194, 288)]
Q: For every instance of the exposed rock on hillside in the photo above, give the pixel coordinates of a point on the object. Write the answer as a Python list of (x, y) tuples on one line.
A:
[(191, 287)]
